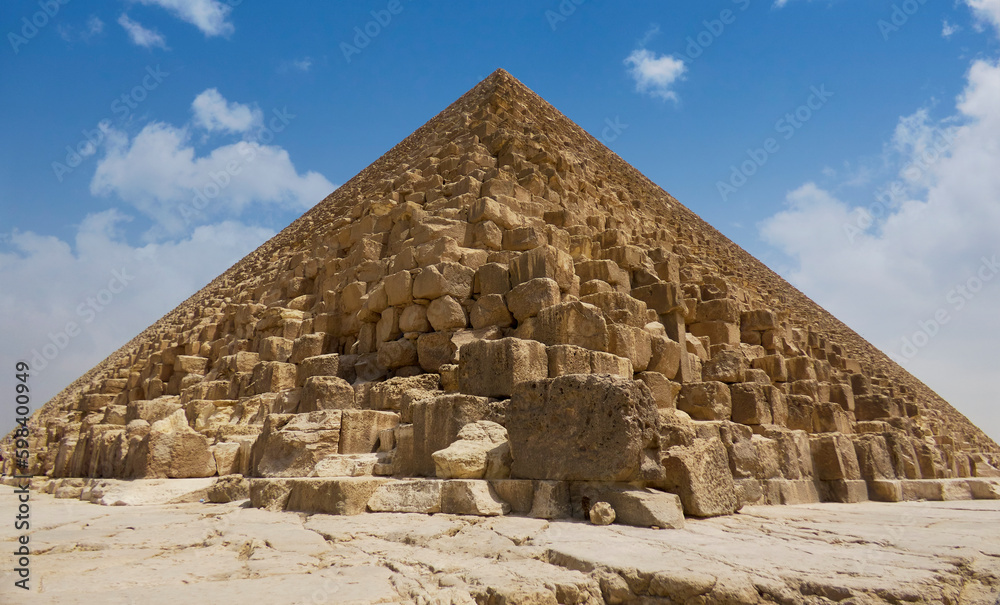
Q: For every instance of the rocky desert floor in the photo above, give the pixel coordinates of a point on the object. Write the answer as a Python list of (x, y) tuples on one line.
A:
[(154, 551)]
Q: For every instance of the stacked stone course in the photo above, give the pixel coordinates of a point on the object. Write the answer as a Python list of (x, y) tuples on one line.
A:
[(500, 315)]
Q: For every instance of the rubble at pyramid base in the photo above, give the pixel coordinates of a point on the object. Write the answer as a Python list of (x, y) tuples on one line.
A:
[(500, 316)]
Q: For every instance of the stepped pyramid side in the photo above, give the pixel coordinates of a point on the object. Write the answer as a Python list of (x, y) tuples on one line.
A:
[(502, 302)]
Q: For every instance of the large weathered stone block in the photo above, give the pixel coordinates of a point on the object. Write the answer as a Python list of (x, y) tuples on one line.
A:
[(706, 400), (437, 421), (700, 475), (546, 261), (834, 457), (494, 368), (583, 427), (571, 323), (326, 393), (480, 452), (529, 298), (359, 429), (291, 445)]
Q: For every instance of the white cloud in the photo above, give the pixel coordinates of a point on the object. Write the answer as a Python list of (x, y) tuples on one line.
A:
[(60, 282), (655, 75), (94, 27), (890, 271), (141, 36), (212, 112), (210, 16), (302, 64), (986, 10), (159, 173), (948, 30)]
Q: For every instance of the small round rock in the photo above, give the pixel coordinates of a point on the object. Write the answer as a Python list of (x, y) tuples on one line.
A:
[(602, 514)]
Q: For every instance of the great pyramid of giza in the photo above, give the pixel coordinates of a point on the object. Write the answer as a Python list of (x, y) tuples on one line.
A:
[(501, 315)]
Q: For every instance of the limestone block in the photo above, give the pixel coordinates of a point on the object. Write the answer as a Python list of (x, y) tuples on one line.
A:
[(727, 365), (394, 393), (492, 278), (333, 496), (171, 449), (229, 488), (663, 298), (399, 288), (471, 497), (639, 507), (801, 411), (320, 365), (721, 310), (758, 320), (751, 403), (490, 310), (443, 279), (412, 496), (774, 365), (271, 377), (631, 343), (275, 348), (700, 475), (706, 400), (291, 445), (304, 347), (834, 457), (445, 314), (521, 239), (583, 427), (545, 262), (572, 323), (436, 349), (413, 318), (800, 368), (606, 271), (494, 368), (190, 365), (665, 356), (487, 235), (326, 393), (619, 308), (437, 421), (360, 429), (488, 209), (518, 493), (398, 353), (529, 298), (270, 494), (480, 452), (830, 418), (874, 460), (874, 407), (718, 332)]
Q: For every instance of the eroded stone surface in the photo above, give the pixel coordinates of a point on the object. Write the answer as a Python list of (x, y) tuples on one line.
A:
[(870, 553)]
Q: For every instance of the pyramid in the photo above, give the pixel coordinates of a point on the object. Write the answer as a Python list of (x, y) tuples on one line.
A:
[(501, 315)]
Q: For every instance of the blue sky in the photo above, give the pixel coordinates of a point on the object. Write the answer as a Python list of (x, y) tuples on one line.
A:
[(171, 91)]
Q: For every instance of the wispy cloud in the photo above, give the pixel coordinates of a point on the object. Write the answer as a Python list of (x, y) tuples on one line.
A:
[(304, 64), (92, 28), (948, 30), (141, 36), (213, 113), (655, 75), (209, 16)]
